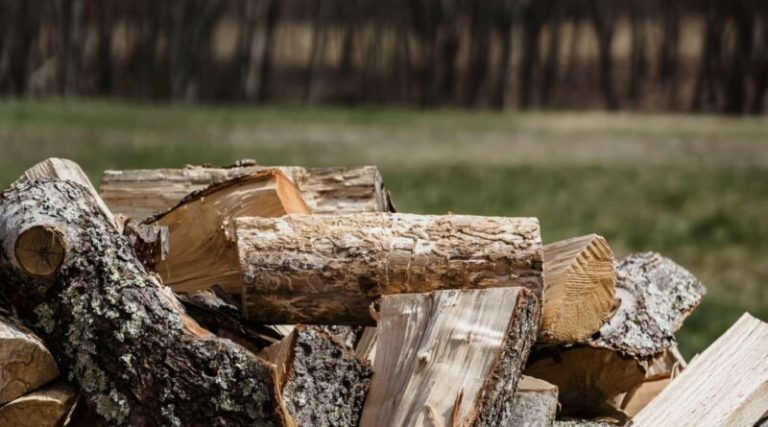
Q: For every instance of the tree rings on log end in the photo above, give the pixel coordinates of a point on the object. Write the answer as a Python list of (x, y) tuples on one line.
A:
[(40, 251)]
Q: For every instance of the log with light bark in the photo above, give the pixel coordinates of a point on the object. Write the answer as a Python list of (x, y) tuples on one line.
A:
[(321, 380), (202, 252), (25, 363), (535, 403), (50, 406), (656, 296), (726, 385), (450, 357), (328, 269), (329, 190), (579, 282), (121, 337)]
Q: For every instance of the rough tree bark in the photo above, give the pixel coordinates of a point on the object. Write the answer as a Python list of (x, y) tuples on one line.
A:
[(535, 403), (323, 269), (450, 358), (121, 337)]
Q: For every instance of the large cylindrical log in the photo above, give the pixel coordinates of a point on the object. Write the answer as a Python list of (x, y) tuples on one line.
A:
[(121, 337), (322, 269)]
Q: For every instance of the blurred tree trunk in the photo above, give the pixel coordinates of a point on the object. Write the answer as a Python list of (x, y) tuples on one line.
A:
[(738, 73), (248, 10), (479, 49), (760, 71), (638, 60), (317, 51), (705, 89), (16, 44), (506, 20), (549, 75), (104, 25), (669, 52), (70, 33), (267, 54), (603, 20), (532, 23)]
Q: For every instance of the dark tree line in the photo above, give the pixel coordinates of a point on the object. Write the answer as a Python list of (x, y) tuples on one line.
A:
[(489, 53)]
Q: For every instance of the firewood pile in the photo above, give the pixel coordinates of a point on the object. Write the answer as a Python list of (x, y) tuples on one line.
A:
[(290, 296)]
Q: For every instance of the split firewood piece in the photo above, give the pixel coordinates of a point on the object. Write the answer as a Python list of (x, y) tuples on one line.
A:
[(579, 282), (328, 269), (50, 406), (201, 251), (535, 403), (659, 372), (25, 363), (366, 345), (727, 385), (321, 380), (450, 357), (656, 296), (143, 193), (122, 337), (589, 379)]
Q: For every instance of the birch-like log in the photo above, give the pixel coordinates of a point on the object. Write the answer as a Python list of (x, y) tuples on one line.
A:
[(121, 337), (327, 269), (47, 407), (579, 282), (330, 190), (450, 358), (535, 403), (656, 296), (727, 385), (25, 363), (321, 380)]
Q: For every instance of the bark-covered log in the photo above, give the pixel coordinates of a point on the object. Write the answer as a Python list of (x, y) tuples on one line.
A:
[(656, 296), (450, 357), (25, 363), (579, 282), (47, 407), (327, 269), (121, 337), (322, 381), (727, 385), (329, 190), (202, 250), (535, 403), (150, 242)]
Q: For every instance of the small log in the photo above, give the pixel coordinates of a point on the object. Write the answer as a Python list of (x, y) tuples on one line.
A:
[(589, 379), (329, 269), (535, 403), (47, 407), (143, 193), (202, 252), (727, 385), (122, 338), (656, 296), (322, 381), (25, 363), (579, 282), (450, 357)]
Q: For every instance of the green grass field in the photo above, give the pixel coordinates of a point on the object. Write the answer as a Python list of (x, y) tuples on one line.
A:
[(692, 187)]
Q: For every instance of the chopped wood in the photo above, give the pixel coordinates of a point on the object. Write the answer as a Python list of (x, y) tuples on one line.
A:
[(25, 363), (149, 242), (121, 336), (579, 282), (328, 269), (454, 356), (727, 385), (588, 378), (47, 407), (366, 345), (642, 395), (659, 371), (202, 252), (321, 380), (535, 403), (656, 296), (328, 190)]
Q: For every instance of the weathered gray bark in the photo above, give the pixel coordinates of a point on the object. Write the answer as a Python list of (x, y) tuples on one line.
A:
[(121, 337), (656, 296), (322, 382), (535, 403), (328, 269)]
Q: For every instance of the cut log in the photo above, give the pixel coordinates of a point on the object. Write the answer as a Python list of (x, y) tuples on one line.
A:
[(579, 282), (642, 395), (656, 296), (535, 403), (727, 385), (658, 374), (25, 363), (143, 193), (123, 338), (589, 379), (48, 407), (328, 269), (366, 345), (202, 252), (450, 357), (149, 242), (322, 381)]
